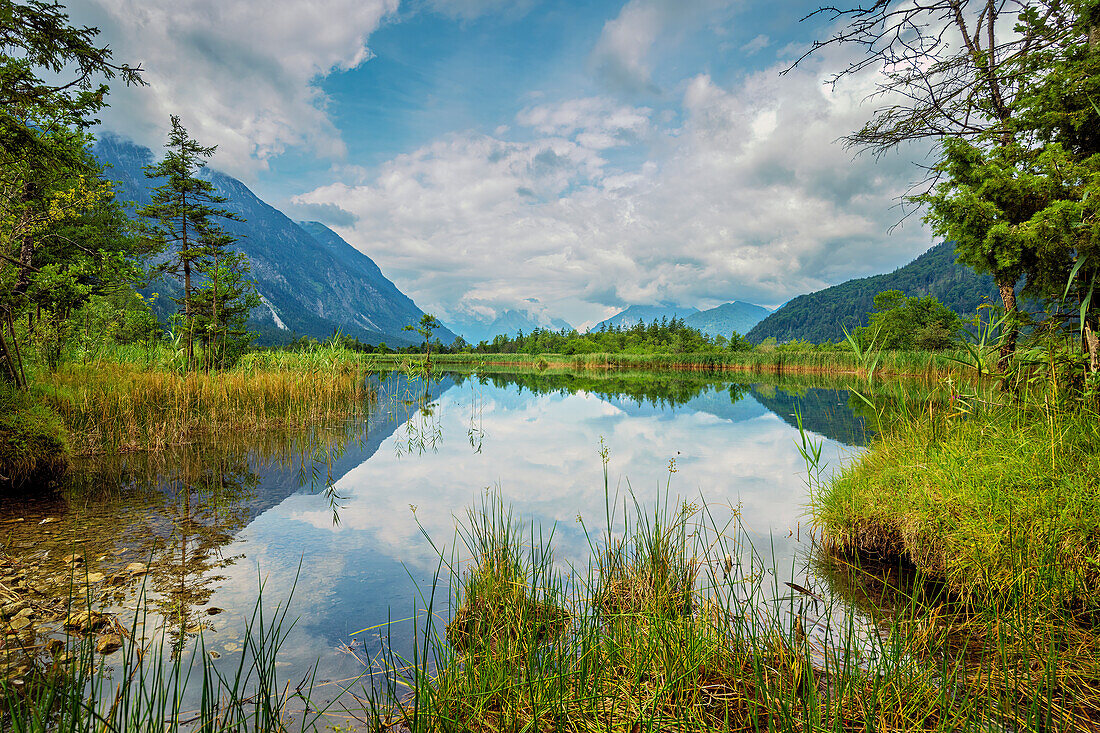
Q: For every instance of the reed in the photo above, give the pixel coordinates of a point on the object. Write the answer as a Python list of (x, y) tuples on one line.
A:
[(111, 407), (932, 365)]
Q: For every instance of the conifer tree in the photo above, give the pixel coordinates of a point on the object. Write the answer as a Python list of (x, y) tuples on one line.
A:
[(181, 219)]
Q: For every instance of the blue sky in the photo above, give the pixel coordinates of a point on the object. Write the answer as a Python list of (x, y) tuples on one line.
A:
[(566, 158)]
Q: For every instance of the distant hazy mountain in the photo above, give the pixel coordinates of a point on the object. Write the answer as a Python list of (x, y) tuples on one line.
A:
[(645, 314), (721, 321), (729, 317), (312, 282), (507, 323), (821, 316)]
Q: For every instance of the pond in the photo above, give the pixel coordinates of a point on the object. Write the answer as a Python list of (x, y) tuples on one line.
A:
[(347, 524)]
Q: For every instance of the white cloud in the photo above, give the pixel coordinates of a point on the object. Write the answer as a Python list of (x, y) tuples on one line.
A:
[(749, 197), (756, 44), (240, 74), (622, 53), (596, 122)]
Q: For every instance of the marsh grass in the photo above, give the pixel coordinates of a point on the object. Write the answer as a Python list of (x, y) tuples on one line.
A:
[(931, 365), (111, 407)]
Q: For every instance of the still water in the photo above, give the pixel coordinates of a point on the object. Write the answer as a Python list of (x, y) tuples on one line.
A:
[(337, 522)]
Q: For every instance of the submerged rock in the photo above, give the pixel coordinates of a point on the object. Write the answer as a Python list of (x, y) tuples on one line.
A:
[(86, 621), (108, 644), (137, 568)]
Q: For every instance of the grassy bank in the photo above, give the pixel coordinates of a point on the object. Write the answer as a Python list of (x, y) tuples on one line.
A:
[(927, 364), (1002, 505)]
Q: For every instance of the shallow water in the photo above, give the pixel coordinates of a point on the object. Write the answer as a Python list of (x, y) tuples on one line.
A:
[(343, 516)]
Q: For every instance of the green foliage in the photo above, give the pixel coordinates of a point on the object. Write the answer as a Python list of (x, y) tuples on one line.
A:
[(222, 305), (659, 337), (912, 324)]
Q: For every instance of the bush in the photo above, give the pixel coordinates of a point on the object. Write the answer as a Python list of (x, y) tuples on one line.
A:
[(33, 445)]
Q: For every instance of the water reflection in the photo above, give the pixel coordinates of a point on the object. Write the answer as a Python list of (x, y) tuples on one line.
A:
[(330, 512)]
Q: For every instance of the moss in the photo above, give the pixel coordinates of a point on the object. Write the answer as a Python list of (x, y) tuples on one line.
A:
[(34, 448)]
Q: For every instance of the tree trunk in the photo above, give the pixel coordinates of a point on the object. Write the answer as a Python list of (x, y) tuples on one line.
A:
[(187, 308), (10, 373), (1009, 330)]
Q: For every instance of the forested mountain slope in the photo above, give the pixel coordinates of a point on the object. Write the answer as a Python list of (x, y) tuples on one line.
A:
[(823, 315)]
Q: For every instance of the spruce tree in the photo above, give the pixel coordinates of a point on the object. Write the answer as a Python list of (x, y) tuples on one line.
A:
[(181, 219)]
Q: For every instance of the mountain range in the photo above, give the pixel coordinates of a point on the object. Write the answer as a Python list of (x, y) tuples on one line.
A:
[(507, 323), (312, 282), (720, 321), (822, 316)]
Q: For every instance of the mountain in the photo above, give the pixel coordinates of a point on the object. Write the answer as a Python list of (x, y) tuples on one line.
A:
[(821, 316), (729, 317), (311, 281), (645, 314), (507, 323)]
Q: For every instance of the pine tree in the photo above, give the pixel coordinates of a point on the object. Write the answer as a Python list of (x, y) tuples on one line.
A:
[(181, 219)]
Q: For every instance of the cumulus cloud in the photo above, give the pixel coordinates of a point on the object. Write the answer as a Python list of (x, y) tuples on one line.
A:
[(597, 122), (330, 214), (750, 197), (622, 54), (240, 74)]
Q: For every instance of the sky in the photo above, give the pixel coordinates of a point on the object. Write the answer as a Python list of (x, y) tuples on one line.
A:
[(564, 158)]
